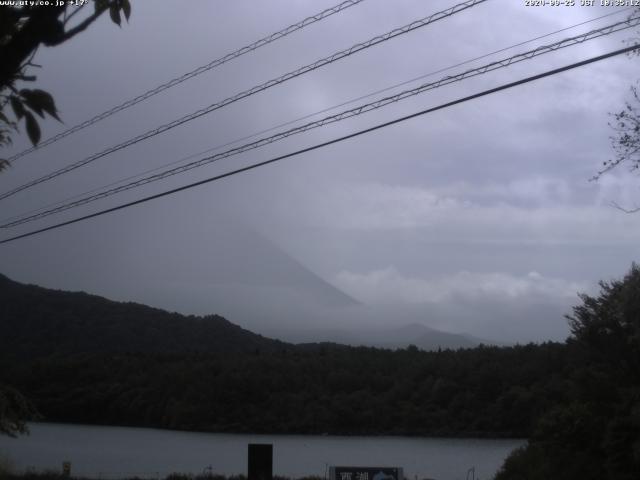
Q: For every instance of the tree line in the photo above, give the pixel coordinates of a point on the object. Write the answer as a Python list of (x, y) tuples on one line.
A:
[(487, 391)]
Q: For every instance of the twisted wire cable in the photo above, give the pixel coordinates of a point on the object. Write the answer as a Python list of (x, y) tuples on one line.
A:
[(379, 126), (193, 73), (307, 116), (259, 88), (368, 107)]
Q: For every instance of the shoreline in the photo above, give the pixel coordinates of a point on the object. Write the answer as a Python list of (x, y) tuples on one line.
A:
[(439, 435)]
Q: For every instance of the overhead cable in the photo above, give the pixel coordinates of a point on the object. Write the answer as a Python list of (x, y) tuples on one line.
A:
[(193, 73), (276, 81), (490, 91), (305, 117), (567, 42)]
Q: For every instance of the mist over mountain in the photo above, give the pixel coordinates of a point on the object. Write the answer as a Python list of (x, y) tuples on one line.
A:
[(40, 321), (271, 287)]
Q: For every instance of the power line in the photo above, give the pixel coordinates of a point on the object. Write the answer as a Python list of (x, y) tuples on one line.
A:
[(503, 63), (340, 116), (4, 222), (193, 73), (490, 91), (276, 81)]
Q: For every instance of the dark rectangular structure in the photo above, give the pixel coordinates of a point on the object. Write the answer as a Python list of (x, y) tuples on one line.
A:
[(260, 466)]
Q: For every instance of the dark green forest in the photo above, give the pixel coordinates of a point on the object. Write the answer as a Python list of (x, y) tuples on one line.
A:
[(85, 359), (319, 389)]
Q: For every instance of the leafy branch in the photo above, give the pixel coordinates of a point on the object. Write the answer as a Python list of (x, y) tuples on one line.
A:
[(22, 31)]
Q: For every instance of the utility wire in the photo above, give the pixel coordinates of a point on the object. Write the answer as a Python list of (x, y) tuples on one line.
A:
[(506, 62), (305, 117), (193, 73), (276, 81), (490, 91)]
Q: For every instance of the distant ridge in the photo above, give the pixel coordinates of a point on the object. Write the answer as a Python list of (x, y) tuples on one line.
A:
[(424, 337), (417, 334), (39, 322)]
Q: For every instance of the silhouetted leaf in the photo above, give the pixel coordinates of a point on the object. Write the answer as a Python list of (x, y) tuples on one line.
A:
[(40, 101), (33, 129), (126, 8), (100, 4), (17, 106), (31, 102), (114, 12), (3, 164)]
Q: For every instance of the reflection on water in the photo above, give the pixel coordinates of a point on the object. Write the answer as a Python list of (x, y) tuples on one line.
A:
[(109, 452)]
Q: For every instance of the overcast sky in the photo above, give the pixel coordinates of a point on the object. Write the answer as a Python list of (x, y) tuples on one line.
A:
[(479, 218)]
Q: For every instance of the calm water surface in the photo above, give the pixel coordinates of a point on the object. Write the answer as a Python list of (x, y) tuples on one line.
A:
[(110, 452)]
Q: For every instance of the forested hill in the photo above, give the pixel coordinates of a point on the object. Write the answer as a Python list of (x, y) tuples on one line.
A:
[(39, 322), (83, 358)]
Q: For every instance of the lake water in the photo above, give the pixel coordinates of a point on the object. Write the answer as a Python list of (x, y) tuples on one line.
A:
[(114, 452)]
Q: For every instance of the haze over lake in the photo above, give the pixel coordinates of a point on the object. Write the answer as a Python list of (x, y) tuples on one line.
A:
[(112, 452)]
